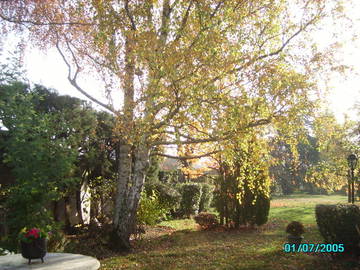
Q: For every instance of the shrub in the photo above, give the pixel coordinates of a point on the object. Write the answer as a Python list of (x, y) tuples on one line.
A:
[(206, 220), (206, 197), (191, 195), (339, 224), (262, 208), (150, 210), (24, 209), (169, 197), (239, 203), (295, 228), (169, 177), (57, 241)]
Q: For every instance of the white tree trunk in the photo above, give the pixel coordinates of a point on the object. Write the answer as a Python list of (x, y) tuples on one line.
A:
[(132, 169)]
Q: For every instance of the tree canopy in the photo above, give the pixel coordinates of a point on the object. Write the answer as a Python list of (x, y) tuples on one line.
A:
[(183, 64)]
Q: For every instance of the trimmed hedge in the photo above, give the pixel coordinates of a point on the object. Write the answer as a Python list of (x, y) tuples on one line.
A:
[(168, 196), (339, 224), (191, 196), (207, 192)]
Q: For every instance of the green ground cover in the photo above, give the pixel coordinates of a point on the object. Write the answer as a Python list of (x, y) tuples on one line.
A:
[(180, 245)]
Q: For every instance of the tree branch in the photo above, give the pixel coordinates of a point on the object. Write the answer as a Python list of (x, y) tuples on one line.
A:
[(73, 82), (164, 31), (172, 112), (192, 141), (40, 23), (184, 21), (254, 59), (302, 28), (227, 136), (133, 26), (187, 157)]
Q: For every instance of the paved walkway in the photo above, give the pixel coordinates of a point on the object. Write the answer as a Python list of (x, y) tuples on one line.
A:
[(53, 261)]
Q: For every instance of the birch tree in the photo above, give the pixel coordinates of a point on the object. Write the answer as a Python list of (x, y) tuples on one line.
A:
[(217, 67)]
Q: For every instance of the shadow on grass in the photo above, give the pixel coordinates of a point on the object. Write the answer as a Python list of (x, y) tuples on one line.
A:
[(215, 250)]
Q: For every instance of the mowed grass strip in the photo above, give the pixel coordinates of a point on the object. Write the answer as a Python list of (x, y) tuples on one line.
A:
[(188, 248)]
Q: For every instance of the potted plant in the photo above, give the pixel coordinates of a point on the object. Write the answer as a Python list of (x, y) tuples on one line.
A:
[(295, 229), (33, 243)]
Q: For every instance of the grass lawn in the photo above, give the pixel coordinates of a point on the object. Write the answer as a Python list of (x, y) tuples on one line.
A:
[(180, 245)]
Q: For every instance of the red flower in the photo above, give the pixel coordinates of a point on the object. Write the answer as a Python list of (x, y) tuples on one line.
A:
[(33, 233)]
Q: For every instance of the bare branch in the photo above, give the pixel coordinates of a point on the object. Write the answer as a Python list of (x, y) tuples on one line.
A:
[(254, 59), (259, 122), (203, 29), (103, 63), (172, 112), (73, 82), (74, 58), (180, 135), (173, 5), (177, 132)]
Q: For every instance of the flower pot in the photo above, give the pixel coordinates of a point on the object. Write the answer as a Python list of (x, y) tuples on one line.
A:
[(293, 239), (34, 250)]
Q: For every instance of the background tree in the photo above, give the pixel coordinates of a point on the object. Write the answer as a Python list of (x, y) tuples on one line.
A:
[(335, 143), (30, 147), (290, 168), (36, 119), (97, 163), (82, 123), (194, 63)]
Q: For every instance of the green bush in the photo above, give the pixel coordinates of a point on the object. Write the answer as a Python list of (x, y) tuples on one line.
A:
[(169, 177), (340, 224), (150, 210), (252, 207), (262, 208), (295, 228), (206, 197), (56, 239), (168, 196), (24, 208), (190, 202)]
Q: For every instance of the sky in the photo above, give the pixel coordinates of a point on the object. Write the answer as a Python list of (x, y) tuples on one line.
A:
[(49, 70)]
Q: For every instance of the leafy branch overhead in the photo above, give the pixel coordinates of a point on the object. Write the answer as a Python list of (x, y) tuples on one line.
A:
[(222, 66)]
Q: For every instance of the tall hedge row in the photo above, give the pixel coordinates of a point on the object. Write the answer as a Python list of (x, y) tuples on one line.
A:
[(191, 196), (340, 224), (196, 198), (207, 193), (169, 196), (183, 199)]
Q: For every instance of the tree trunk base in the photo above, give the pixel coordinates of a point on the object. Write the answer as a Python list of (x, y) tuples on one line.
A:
[(118, 244)]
